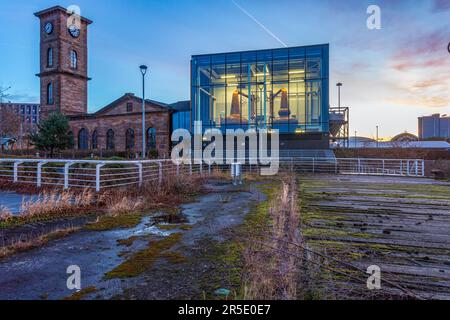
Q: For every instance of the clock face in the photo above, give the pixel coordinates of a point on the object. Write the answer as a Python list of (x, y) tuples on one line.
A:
[(74, 31), (48, 28)]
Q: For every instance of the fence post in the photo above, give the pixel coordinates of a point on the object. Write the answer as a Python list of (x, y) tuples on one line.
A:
[(201, 168), (423, 168), (139, 165), (39, 173), (335, 166), (384, 166), (417, 168), (66, 174), (401, 167), (407, 168), (190, 168), (359, 166), (160, 174), (209, 168), (314, 165), (97, 176), (16, 170)]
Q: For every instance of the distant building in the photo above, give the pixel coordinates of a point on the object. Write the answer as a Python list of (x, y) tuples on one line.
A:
[(64, 77), (28, 113), (429, 145), (434, 126), (405, 137)]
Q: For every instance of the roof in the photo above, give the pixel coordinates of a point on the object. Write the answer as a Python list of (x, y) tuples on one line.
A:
[(403, 144), (5, 141), (405, 136), (59, 8), (128, 95), (181, 106), (270, 49)]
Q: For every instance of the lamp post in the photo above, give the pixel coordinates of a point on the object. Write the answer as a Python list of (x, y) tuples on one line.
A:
[(377, 137), (143, 72), (339, 85), (356, 133)]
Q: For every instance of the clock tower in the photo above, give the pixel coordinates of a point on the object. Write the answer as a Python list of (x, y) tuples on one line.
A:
[(63, 61)]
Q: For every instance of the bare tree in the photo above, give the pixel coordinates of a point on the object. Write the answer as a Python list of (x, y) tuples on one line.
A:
[(9, 123)]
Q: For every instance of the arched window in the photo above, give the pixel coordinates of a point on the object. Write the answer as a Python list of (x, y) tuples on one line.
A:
[(73, 59), (110, 140), (151, 139), (129, 139), (50, 93), (50, 57), (94, 140), (83, 139)]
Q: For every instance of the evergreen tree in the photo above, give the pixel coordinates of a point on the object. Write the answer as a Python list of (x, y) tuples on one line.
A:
[(53, 134)]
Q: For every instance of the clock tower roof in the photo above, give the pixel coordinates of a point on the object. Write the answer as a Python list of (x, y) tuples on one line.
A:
[(58, 8)]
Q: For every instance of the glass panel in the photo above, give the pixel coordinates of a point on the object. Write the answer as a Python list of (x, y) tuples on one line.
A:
[(313, 63), (217, 104), (280, 65), (218, 70), (297, 104), (280, 106)]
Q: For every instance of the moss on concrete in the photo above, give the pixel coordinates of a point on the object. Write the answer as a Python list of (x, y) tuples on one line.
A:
[(124, 221), (82, 293), (143, 260)]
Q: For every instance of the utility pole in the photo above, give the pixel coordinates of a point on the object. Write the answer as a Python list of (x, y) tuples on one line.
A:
[(339, 85), (143, 69), (377, 137)]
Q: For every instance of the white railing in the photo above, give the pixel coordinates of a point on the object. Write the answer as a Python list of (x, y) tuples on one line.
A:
[(98, 174)]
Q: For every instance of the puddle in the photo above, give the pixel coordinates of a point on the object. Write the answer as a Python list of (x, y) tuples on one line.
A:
[(42, 272), (13, 201)]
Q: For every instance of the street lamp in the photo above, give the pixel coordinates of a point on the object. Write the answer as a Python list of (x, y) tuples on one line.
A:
[(339, 85), (143, 71), (377, 137)]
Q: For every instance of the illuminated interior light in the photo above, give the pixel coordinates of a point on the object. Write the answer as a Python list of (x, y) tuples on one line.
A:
[(228, 77), (297, 72)]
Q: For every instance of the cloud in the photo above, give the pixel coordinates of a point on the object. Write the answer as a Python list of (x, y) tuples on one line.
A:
[(421, 101), (424, 43), (410, 64), (441, 5), (22, 98)]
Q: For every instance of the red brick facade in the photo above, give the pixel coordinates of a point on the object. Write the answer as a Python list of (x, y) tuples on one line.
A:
[(69, 82), (116, 118), (69, 88)]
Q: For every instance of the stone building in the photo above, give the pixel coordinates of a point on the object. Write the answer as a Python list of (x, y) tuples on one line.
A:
[(63, 87)]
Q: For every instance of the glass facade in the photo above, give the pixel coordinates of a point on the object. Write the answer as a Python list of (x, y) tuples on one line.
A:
[(284, 89)]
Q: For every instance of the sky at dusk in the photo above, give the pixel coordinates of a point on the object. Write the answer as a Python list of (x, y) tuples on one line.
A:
[(391, 76)]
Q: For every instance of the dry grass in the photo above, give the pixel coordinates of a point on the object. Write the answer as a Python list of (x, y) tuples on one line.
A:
[(21, 246), (271, 270), (52, 203), (5, 214)]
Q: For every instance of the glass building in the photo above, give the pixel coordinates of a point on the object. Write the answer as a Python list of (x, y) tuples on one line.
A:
[(285, 89)]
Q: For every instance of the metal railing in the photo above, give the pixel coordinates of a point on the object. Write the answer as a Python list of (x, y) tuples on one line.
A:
[(97, 174)]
